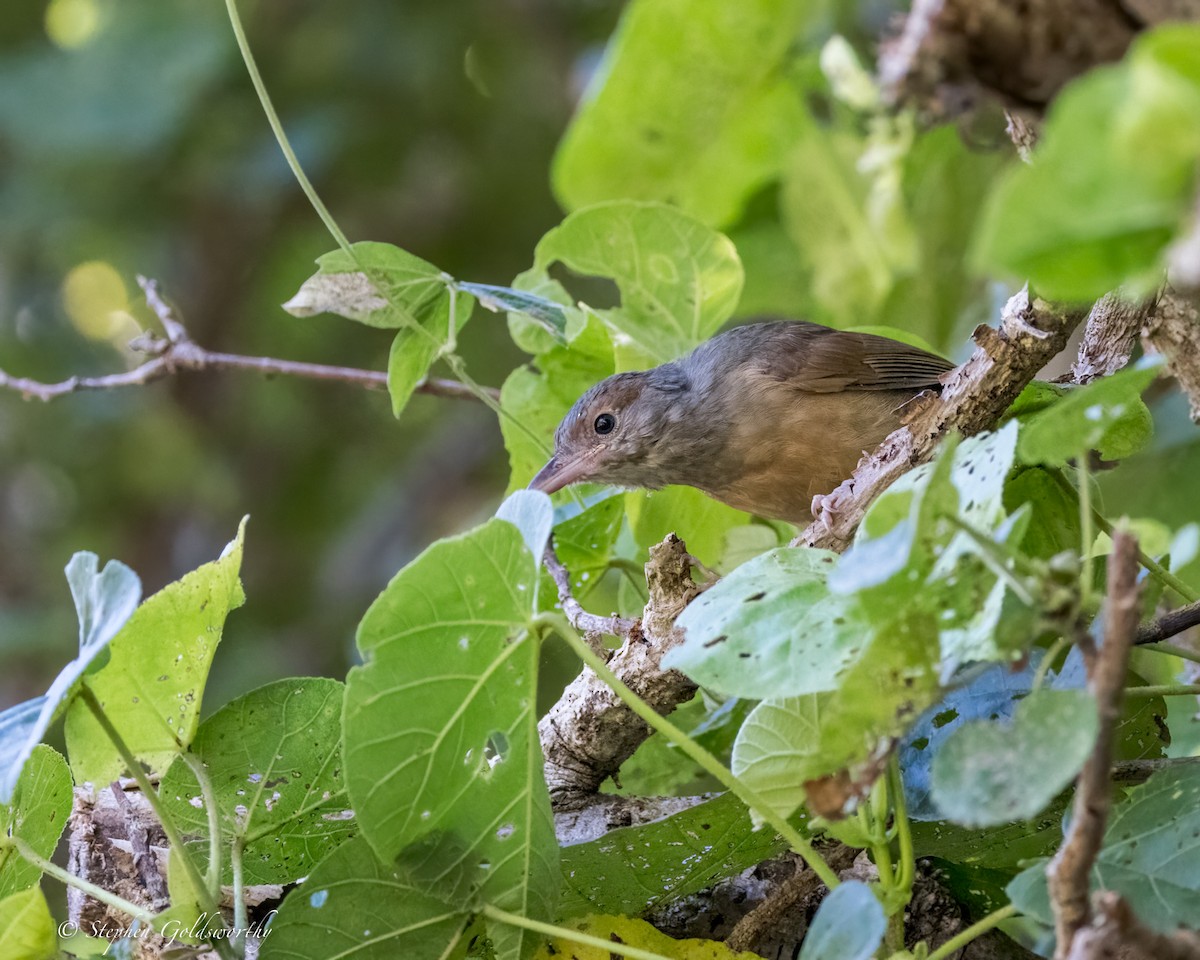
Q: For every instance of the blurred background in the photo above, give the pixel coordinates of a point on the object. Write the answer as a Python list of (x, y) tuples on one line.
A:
[(131, 142)]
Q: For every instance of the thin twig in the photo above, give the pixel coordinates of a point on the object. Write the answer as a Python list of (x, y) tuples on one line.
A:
[(1071, 867), (1169, 624), (590, 625), (179, 352)]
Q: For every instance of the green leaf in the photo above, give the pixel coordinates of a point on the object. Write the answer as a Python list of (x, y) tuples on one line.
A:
[(694, 516), (152, 685), (849, 925), (1107, 415), (787, 742), (273, 757), (37, 814), (1054, 512), (538, 399), (635, 870), (103, 601), (990, 773), (770, 629), (679, 280), (27, 930), (530, 512), (443, 762), (690, 107), (352, 905), (383, 286), (551, 316), (1095, 209), (1151, 855)]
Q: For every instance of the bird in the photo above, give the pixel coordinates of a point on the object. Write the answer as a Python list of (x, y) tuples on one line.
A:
[(763, 417)]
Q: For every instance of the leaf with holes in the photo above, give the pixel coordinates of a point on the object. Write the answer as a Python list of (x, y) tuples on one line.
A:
[(353, 905), (273, 757), (634, 870), (1151, 854), (37, 814), (771, 629), (443, 763), (153, 683), (679, 280)]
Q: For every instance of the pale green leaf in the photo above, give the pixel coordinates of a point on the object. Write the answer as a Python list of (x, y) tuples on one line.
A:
[(443, 763), (989, 773), (36, 814), (849, 925), (27, 930), (152, 685), (770, 629), (690, 107)]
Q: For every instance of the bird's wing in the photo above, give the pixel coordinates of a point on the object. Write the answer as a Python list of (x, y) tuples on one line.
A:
[(817, 359)]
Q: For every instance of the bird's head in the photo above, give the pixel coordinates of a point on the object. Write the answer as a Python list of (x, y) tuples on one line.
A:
[(614, 433)]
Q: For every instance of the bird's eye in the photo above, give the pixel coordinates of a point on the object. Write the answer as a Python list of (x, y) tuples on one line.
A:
[(605, 423)]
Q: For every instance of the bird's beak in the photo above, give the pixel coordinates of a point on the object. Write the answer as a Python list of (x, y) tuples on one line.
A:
[(558, 473)]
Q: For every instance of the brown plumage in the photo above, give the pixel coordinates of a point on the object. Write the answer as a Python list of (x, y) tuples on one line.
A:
[(762, 417)]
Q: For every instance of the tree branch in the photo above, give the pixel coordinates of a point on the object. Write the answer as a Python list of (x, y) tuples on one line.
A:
[(1173, 330), (1169, 624), (1069, 871), (1110, 336), (589, 732), (1116, 934), (179, 352)]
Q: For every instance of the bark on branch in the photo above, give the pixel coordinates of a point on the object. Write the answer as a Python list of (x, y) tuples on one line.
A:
[(1070, 869)]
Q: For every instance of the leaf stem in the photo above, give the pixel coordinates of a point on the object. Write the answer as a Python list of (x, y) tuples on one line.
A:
[(1157, 570), (27, 853), (281, 138), (908, 862), (1043, 668), (174, 839), (200, 772), (1172, 649), (236, 849), (566, 933), (1164, 690), (1087, 530), (960, 940), (705, 760)]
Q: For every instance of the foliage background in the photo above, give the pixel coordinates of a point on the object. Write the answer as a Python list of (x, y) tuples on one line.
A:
[(131, 143)]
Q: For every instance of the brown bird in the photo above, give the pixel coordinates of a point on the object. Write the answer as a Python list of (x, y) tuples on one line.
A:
[(762, 417)]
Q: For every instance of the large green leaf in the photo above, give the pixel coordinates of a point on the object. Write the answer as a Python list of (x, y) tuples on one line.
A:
[(443, 763), (691, 107), (352, 905), (697, 518), (679, 280), (770, 629), (1096, 209), (273, 757), (36, 814), (104, 600), (634, 870), (1151, 854), (989, 773), (152, 685)]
